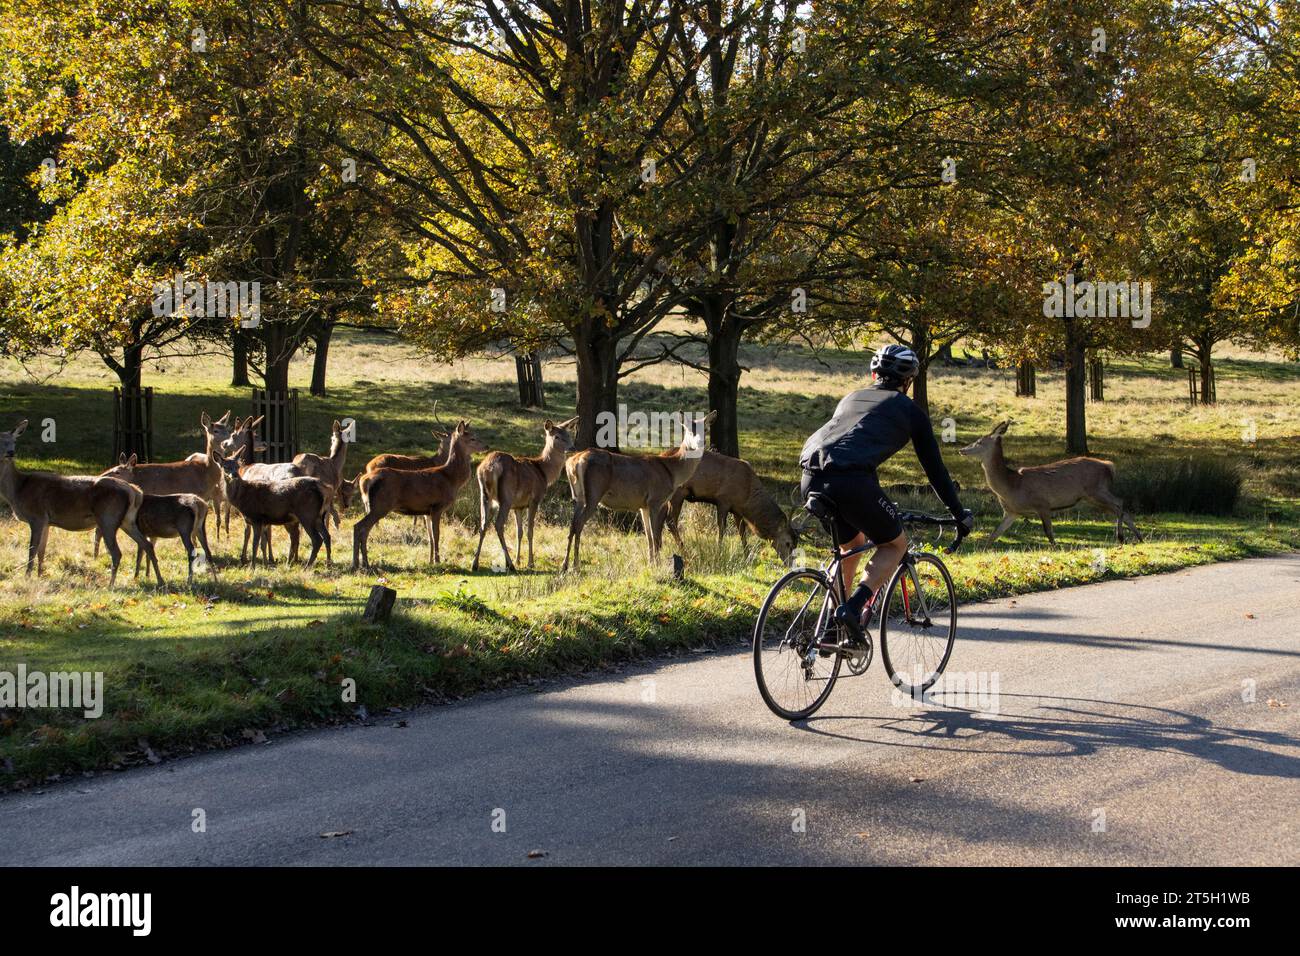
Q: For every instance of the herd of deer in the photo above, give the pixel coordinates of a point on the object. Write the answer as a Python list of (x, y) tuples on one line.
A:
[(173, 499)]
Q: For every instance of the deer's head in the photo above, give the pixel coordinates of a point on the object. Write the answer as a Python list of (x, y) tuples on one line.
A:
[(229, 467), (346, 490), (784, 541), (9, 440), (125, 467), (693, 440), (984, 448), (463, 436), (559, 436)]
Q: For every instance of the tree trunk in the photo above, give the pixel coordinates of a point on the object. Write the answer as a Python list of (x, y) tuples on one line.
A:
[(239, 371), (1176, 357), (1204, 351), (596, 352), (1076, 391), (724, 387), (321, 358), (921, 385), (944, 355)]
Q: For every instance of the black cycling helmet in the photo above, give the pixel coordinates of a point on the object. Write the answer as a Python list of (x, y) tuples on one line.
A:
[(895, 364)]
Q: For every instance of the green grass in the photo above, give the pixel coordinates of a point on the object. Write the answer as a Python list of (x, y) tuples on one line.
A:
[(259, 652)]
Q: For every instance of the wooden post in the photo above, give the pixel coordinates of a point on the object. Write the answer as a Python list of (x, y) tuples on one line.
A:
[(133, 423), (1096, 380), (280, 425), (528, 368), (1026, 386)]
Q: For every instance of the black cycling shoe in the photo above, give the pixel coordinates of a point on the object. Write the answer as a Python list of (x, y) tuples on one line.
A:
[(850, 628)]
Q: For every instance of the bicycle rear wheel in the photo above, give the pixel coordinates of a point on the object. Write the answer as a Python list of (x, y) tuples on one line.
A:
[(793, 677), (918, 623)]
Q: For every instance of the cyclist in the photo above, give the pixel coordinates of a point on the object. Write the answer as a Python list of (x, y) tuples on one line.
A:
[(840, 460)]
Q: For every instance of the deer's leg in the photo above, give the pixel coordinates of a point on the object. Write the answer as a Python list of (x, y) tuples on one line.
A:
[(580, 515), (110, 544), (647, 523), (187, 539), (95, 553), (243, 552), (139, 554), (329, 544), (435, 525), (1046, 519), (294, 536), (723, 514), (673, 515), (519, 532), (532, 519), (484, 506), (742, 529), (360, 539), (657, 517), (257, 541), (1008, 519), (317, 539), (499, 523), (207, 552)]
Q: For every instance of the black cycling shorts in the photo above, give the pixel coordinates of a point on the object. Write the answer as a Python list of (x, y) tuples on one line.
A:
[(860, 504)]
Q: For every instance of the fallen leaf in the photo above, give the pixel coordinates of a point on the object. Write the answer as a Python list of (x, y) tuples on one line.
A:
[(536, 854), (916, 779), (1274, 702), (331, 834)]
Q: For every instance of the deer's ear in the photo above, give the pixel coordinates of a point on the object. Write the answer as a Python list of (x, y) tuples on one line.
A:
[(708, 419), (132, 461), (1000, 428), (19, 428), (224, 418), (205, 421), (338, 427), (121, 458), (253, 424)]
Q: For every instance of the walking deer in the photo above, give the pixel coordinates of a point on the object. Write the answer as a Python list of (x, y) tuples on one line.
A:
[(733, 488), (302, 501), (70, 502), (176, 516), (1041, 489), (519, 484), (619, 482), (425, 491)]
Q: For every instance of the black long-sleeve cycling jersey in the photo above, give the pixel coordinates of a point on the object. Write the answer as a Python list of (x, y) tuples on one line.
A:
[(868, 427)]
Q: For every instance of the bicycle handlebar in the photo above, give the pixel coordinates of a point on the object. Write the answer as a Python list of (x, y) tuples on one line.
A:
[(917, 517)]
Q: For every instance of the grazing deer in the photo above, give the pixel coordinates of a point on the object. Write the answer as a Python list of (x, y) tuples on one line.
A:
[(519, 484), (618, 482), (733, 487), (70, 502), (425, 491), (1042, 489), (301, 501), (328, 469), (176, 516)]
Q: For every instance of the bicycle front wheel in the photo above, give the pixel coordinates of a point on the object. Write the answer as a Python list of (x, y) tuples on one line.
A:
[(918, 624), (793, 675)]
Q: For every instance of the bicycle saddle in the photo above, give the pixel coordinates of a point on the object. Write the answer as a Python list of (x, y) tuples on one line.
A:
[(820, 505)]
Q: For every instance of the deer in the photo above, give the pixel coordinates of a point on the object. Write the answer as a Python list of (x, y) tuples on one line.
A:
[(197, 475), (302, 501), (242, 445), (415, 462), (423, 491), (176, 516), (222, 430), (70, 502), (732, 486), (328, 469), (1041, 489), (519, 484), (618, 482)]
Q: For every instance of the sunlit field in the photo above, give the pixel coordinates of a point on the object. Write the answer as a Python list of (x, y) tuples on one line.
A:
[(252, 652)]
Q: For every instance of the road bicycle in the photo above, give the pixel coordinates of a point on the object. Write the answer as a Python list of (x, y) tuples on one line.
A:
[(799, 648)]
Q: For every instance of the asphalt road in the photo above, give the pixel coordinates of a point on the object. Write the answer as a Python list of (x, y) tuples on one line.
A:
[(1119, 735)]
